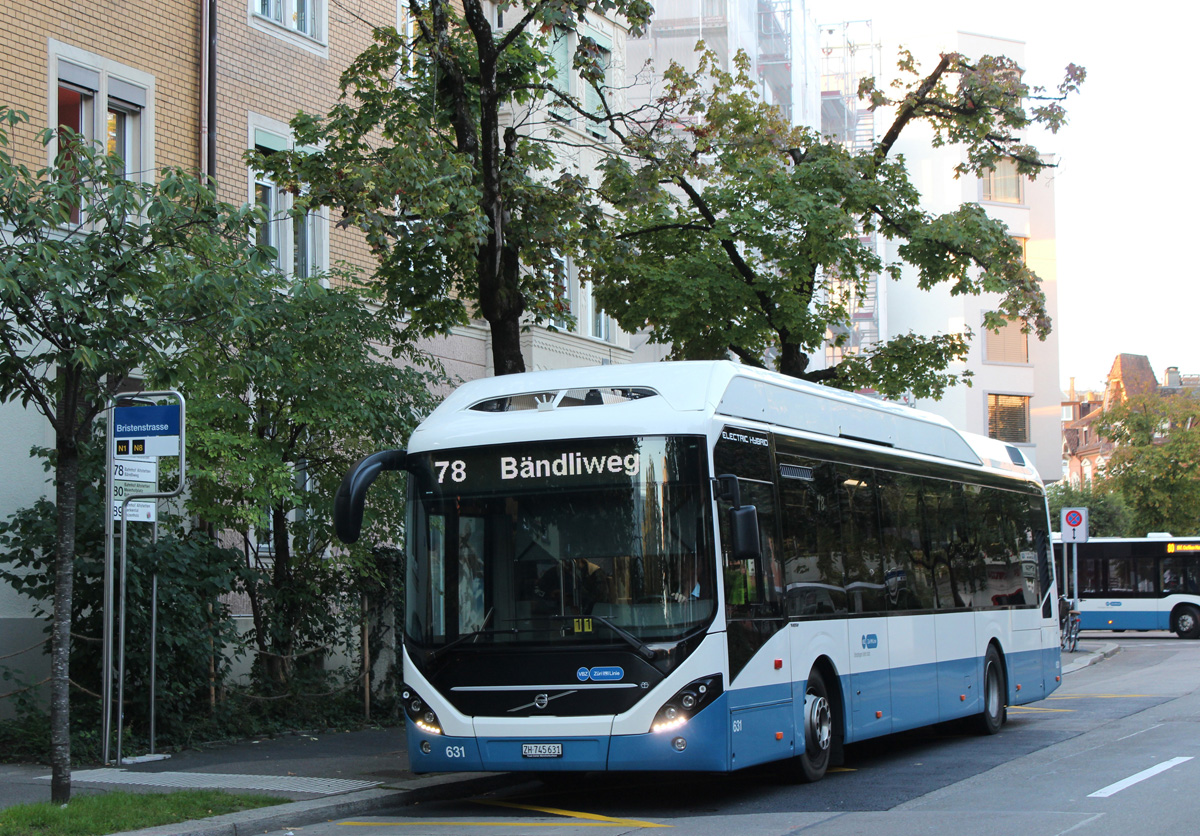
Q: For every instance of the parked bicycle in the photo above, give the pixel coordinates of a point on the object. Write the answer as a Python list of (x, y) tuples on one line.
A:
[(1068, 622)]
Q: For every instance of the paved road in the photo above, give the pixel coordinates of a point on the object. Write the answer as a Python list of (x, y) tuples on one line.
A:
[(1109, 724)]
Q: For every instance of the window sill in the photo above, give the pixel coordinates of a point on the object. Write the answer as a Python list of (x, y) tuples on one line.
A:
[(276, 29)]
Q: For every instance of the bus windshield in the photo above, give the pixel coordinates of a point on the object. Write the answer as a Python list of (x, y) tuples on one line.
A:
[(558, 543)]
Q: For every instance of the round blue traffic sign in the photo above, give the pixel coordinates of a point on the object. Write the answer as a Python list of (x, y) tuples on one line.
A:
[(1074, 519)]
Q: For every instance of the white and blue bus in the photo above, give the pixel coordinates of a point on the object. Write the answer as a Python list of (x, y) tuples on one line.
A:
[(1137, 583), (704, 566)]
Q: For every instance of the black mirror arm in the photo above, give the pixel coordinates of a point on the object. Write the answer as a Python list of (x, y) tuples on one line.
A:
[(351, 494)]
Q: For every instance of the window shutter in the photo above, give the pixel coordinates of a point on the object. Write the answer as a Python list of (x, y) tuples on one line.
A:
[(1009, 345), (1008, 418)]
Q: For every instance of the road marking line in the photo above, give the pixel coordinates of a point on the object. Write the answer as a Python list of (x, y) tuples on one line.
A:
[(1041, 710), (1083, 823), (555, 811), (1136, 733), (1099, 696), (1113, 789)]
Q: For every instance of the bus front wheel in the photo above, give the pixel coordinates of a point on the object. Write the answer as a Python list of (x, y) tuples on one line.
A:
[(818, 730), (1187, 623), (994, 688)]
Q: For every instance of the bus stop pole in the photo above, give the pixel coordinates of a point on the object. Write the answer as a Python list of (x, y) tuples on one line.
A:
[(1075, 572), (1066, 577)]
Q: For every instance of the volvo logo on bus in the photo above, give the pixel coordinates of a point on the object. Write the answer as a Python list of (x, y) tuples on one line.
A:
[(870, 641), (541, 700)]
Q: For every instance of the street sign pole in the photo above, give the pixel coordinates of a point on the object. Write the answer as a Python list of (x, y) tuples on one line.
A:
[(1074, 529), (106, 663), (164, 434)]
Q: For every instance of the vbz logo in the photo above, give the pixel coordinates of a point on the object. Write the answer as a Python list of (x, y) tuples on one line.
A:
[(870, 641)]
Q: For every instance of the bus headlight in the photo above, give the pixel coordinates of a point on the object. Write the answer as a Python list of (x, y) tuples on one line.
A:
[(422, 716), (686, 704)]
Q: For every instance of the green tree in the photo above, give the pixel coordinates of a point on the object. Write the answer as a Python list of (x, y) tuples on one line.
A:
[(97, 276), (280, 404), (196, 637), (1156, 464), (464, 209), (736, 233), (1108, 515)]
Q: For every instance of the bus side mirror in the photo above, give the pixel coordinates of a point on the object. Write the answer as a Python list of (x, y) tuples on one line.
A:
[(743, 529), (351, 494), (743, 519)]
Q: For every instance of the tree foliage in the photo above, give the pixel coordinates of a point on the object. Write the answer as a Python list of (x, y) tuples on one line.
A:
[(734, 232), (196, 639), (469, 213), (98, 274), (1156, 464), (281, 403), (1108, 515)]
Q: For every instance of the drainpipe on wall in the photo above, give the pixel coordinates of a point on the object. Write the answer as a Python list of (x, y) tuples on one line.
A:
[(208, 90)]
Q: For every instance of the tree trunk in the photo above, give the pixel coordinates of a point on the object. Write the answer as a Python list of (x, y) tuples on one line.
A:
[(66, 503), (792, 361), (506, 346)]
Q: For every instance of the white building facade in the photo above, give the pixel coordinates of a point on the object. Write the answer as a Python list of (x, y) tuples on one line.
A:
[(1014, 393)]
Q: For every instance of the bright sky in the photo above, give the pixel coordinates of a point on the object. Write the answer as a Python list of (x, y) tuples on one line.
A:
[(1125, 185)]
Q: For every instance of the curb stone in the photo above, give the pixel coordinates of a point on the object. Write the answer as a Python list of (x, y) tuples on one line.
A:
[(362, 802)]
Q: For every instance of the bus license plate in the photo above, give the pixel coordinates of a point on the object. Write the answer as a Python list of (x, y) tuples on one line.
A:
[(541, 750)]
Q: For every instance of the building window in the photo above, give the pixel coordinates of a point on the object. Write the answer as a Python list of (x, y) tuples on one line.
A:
[(299, 240), (1068, 412), (299, 16), (560, 60), (1008, 418), (1003, 184), (103, 103), (1008, 345), (565, 286), (593, 99), (410, 30)]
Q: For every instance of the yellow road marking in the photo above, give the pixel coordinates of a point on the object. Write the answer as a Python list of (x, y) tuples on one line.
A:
[(841, 769), (614, 823), (608, 821), (1039, 710)]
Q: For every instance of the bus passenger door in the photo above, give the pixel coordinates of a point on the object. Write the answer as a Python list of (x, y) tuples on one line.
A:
[(760, 670)]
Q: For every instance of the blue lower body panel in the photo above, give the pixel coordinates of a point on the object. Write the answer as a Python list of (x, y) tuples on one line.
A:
[(1124, 620), (748, 726), (706, 749)]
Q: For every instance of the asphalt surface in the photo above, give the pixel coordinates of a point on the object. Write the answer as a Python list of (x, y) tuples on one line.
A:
[(326, 775)]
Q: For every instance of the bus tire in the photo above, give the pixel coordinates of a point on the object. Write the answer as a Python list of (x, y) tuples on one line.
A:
[(813, 762), (995, 689), (1187, 622)]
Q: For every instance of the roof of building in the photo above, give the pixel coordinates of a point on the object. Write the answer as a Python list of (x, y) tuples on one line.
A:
[(1130, 376)]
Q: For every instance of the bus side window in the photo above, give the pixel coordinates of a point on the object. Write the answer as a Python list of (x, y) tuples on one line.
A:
[(813, 575)]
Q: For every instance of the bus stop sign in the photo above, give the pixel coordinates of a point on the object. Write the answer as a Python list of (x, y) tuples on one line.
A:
[(1074, 525)]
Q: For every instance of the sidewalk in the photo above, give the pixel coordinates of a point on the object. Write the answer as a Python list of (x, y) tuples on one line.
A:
[(327, 775), (1087, 653)]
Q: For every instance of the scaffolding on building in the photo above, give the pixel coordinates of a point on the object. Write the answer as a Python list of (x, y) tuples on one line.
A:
[(849, 54), (726, 27)]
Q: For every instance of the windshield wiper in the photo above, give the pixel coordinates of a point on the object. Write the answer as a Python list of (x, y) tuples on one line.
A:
[(629, 637), (474, 634)]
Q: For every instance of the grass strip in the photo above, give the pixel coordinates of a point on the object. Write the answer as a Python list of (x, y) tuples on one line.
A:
[(114, 812)]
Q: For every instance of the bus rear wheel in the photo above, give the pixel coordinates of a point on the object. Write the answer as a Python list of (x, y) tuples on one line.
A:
[(994, 689), (1187, 623), (813, 762)]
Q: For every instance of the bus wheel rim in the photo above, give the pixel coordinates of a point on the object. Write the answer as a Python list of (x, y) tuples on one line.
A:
[(818, 721)]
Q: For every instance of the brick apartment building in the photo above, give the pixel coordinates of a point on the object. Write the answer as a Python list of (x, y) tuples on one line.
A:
[(1085, 453)]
